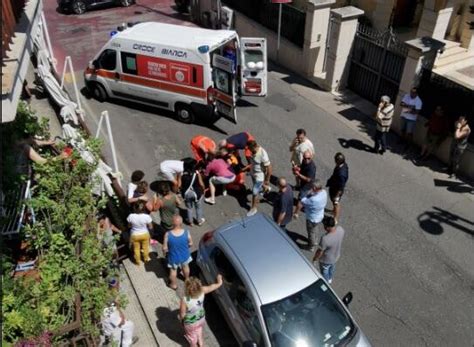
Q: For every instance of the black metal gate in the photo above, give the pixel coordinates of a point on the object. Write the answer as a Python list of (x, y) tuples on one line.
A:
[(377, 63)]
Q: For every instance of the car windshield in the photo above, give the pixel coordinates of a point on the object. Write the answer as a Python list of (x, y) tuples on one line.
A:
[(311, 317)]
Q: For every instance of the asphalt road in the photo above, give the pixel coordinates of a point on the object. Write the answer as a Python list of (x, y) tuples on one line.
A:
[(407, 255)]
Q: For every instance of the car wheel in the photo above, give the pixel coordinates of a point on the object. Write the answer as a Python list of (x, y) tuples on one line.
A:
[(78, 7), (126, 3), (99, 92), (185, 113)]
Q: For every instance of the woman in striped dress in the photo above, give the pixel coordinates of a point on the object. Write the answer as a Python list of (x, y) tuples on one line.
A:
[(191, 311)]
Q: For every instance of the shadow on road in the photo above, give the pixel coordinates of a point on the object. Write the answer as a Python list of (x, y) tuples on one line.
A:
[(433, 222), (454, 186), (168, 323), (356, 144)]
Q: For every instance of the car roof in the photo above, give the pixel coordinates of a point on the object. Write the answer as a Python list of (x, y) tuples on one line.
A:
[(177, 36), (269, 259)]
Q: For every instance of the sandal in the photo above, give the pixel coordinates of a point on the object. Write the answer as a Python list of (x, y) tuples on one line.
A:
[(168, 284)]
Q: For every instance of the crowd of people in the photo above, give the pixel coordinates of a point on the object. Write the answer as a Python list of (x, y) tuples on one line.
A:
[(214, 169), (438, 127)]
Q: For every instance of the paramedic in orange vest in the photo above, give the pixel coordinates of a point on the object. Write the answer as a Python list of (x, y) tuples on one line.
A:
[(201, 146)]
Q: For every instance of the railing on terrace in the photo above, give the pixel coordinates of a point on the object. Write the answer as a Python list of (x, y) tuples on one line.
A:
[(11, 13), (14, 212), (265, 13)]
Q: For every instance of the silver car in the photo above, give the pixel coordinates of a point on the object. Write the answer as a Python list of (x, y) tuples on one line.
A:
[(272, 295)]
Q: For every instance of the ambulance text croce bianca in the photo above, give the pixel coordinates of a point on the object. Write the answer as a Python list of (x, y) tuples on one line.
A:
[(192, 71)]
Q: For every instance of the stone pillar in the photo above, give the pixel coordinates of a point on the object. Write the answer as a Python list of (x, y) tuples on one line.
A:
[(341, 37), (382, 14), (315, 35), (434, 20), (421, 54)]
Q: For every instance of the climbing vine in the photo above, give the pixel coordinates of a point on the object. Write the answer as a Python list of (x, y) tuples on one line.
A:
[(71, 262)]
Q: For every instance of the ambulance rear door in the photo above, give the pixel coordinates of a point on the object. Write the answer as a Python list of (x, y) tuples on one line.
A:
[(253, 68), (223, 76)]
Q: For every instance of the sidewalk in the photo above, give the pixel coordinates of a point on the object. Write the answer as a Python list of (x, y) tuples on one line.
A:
[(160, 303)]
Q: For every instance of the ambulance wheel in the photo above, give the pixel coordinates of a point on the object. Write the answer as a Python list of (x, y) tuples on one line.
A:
[(99, 92), (126, 3), (78, 7), (185, 113)]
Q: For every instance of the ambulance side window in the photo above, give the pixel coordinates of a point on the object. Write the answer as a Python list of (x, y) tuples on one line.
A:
[(129, 63), (108, 59)]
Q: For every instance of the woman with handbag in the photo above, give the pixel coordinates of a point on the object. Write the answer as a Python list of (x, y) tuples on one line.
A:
[(192, 191)]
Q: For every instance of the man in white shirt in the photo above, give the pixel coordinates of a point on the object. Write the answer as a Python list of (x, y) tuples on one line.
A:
[(116, 327), (299, 145), (261, 170), (411, 107), (171, 170)]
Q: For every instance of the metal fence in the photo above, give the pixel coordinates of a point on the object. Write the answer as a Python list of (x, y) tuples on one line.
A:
[(265, 13), (377, 63), (455, 99)]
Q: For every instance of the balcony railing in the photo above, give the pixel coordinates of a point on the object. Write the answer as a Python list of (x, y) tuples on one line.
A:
[(11, 13)]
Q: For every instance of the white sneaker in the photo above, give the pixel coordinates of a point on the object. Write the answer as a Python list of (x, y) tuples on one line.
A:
[(252, 212), (224, 192), (201, 222), (210, 201)]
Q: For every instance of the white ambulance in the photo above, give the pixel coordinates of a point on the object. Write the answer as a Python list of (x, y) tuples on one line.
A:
[(191, 71)]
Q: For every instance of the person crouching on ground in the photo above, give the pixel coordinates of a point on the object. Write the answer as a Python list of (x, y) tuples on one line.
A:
[(191, 310), (176, 246)]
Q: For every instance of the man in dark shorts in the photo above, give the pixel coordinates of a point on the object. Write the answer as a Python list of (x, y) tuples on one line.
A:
[(283, 206), (337, 183)]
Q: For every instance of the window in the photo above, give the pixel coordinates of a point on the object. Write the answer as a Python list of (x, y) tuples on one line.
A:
[(253, 59), (312, 316), (238, 294), (129, 63), (222, 81), (108, 60)]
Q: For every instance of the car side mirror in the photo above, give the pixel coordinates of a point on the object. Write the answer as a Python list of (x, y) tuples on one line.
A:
[(94, 64), (249, 344), (347, 299)]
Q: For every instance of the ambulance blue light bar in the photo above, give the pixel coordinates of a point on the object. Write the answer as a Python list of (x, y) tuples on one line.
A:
[(203, 49)]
